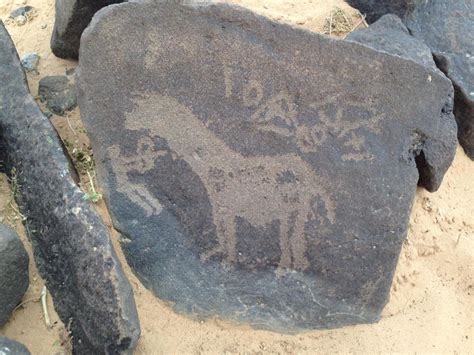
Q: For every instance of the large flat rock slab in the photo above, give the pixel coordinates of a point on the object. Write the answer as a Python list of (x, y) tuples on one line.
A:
[(447, 27), (258, 172), (71, 244)]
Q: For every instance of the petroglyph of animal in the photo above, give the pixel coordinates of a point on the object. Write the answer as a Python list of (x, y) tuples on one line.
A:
[(259, 189)]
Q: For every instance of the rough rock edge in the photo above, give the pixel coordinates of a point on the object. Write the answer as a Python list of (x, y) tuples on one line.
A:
[(463, 107), (463, 104), (101, 311), (430, 163)]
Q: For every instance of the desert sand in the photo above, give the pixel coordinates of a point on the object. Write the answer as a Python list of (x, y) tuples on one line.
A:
[(431, 308)]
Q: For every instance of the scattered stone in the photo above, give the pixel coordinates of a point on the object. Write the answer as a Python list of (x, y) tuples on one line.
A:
[(71, 244), (44, 26), (72, 17), (11, 347), (22, 15), (30, 62), (447, 28), (58, 93), (21, 11), (235, 163), (13, 272), (70, 71)]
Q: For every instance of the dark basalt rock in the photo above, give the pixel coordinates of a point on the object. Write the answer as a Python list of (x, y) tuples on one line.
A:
[(14, 279), (11, 347), (71, 245), (258, 172), (21, 11), (390, 35), (58, 93), (374, 9), (72, 17), (30, 62), (447, 27)]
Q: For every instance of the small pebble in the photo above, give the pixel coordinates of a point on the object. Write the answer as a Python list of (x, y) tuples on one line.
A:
[(44, 25), (20, 20), (47, 114), (30, 61), (70, 71), (21, 11)]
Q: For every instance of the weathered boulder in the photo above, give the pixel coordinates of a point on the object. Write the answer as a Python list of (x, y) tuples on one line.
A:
[(390, 35), (72, 17), (11, 347), (374, 9), (71, 245), (58, 93), (258, 172), (447, 27), (14, 279)]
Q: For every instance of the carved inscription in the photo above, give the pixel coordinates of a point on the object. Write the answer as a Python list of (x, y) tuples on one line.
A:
[(338, 119)]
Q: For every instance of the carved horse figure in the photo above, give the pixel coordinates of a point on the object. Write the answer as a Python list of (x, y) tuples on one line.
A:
[(260, 189)]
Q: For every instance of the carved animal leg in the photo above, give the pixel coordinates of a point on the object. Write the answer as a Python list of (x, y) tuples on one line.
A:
[(285, 259), (298, 240), (221, 247), (230, 238)]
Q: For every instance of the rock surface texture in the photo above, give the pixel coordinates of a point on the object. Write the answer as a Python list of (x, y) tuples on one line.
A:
[(72, 17), (13, 272), (447, 27), (71, 245), (235, 154), (58, 93), (11, 347)]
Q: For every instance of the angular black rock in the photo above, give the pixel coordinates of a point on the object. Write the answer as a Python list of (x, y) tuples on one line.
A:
[(14, 279), (390, 35), (374, 9), (259, 172), (71, 245), (447, 27), (21, 11), (72, 17), (12, 347), (58, 93)]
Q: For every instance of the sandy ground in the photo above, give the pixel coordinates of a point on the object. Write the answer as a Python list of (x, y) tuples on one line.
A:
[(431, 309)]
